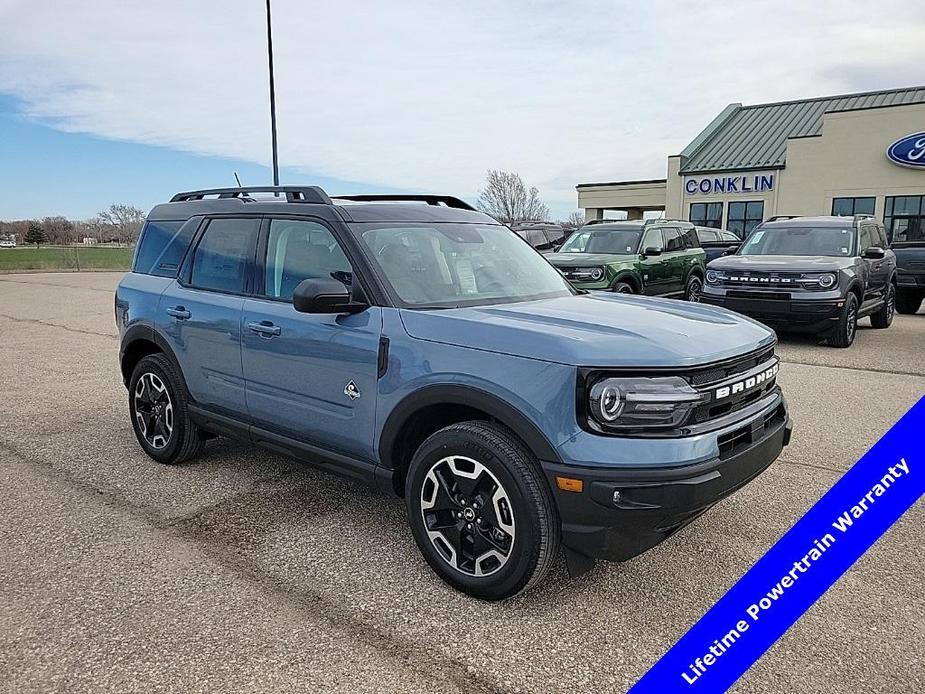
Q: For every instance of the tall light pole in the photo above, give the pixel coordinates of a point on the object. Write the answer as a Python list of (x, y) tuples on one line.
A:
[(272, 97)]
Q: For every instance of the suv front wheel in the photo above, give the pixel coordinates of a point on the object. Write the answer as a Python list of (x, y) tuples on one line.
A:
[(884, 317), (481, 511), (157, 404), (694, 288), (847, 326)]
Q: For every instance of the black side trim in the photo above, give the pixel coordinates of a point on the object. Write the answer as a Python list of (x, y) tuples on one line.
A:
[(383, 359), (447, 394), (362, 470)]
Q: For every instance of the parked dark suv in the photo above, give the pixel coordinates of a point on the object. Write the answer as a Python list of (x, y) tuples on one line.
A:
[(810, 274), (545, 237), (656, 257), (418, 345)]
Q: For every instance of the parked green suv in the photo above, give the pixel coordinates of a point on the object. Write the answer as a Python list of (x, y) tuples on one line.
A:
[(657, 257)]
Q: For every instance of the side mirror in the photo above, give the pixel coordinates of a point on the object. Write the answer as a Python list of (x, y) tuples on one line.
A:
[(732, 249), (874, 253), (652, 250), (324, 296)]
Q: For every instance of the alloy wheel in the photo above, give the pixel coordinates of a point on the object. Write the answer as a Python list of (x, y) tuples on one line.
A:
[(468, 516), (153, 410), (890, 303), (693, 291), (852, 323)]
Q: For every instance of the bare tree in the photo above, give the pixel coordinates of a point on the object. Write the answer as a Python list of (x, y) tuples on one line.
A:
[(506, 198), (123, 222), (574, 221), (60, 231)]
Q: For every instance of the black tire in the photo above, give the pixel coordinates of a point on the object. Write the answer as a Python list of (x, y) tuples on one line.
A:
[(694, 289), (882, 318), (847, 326), (532, 539), (183, 441), (623, 288), (908, 301)]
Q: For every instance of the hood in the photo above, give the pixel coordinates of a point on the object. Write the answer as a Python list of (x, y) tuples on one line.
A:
[(587, 259), (781, 263), (596, 330)]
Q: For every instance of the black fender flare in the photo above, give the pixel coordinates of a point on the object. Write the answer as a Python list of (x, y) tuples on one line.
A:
[(147, 333), (634, 278), (470, 396)]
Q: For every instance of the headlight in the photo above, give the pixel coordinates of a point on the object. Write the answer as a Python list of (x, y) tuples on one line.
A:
[(623, 404), (592, 273), (827, 280), (714, 277)]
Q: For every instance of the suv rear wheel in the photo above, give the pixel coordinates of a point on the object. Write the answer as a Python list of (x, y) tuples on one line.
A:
[(847, 326), (158, 407), (883, 317), (481, 511), (908, 301)]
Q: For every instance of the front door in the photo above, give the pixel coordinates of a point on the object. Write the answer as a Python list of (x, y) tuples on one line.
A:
[(200, 314), (878, 269), (312, 377)]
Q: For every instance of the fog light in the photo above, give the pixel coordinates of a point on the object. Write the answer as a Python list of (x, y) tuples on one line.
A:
[(617, 497)]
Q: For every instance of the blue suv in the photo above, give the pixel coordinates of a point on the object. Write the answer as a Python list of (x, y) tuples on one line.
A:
[(416, 344)]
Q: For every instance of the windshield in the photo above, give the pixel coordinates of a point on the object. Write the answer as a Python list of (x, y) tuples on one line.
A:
[(830, 241), (614, 241), (444, 265)]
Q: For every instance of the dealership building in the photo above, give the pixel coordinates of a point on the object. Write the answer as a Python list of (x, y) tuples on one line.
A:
[(851, 154)]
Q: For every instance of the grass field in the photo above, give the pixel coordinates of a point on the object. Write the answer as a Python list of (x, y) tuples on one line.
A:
[(52, 258)]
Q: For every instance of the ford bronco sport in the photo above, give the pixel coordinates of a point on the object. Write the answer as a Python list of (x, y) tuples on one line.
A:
[(414, 343), (810, 274), (657, 257)]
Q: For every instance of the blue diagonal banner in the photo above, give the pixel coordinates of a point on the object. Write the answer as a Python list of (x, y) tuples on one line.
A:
[(799, 568)]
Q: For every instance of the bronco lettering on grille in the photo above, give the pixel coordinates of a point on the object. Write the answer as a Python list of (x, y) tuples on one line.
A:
[(746, 384)]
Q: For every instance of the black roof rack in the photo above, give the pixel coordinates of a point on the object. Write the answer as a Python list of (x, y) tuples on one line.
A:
[(780, 217), (311, 194), (447, 200)]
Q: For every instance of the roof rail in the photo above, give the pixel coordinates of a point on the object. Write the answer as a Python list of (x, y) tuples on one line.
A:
[(447, 200), (858, 217), (657, 220), (311, 194), (779, 217)]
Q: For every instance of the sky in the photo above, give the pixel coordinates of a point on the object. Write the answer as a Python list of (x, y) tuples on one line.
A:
[(129, 101)]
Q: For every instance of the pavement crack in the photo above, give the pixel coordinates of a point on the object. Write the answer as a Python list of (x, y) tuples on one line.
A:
[(36, 321), (894, 372), (796, 463)]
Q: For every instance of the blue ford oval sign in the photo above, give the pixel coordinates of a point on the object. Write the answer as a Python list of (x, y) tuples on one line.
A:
[(908, 151)]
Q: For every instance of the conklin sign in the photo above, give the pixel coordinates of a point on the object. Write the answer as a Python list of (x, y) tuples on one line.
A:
[(713, 185)]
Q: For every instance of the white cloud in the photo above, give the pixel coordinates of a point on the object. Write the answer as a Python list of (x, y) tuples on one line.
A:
[(427, 96)]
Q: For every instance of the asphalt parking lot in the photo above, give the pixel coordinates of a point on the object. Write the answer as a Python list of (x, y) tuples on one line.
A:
[(246, 571)]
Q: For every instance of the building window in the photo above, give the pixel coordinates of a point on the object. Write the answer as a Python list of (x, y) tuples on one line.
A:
[(904, 218), (744, 216), (707, 214), (848, 207)]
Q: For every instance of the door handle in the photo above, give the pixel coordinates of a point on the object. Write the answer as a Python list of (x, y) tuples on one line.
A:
[(265, 328), (178, 312)]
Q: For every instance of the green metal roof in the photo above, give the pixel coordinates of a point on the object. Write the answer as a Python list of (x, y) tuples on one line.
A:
[(755, 137)]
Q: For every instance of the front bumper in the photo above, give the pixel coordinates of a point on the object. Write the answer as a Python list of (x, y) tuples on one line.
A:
[(798, 314), (651, 504)]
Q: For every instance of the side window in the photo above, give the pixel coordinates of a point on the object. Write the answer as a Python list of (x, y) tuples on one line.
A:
[(161, 247), (880, 237), (673, 240), (536, 238), (556, 235), (865, 239), (220, 260), (299, 250), (690, 238), (652, 239), (729, 236)]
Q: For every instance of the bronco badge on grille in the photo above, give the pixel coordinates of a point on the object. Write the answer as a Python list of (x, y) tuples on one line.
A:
[(746, 384)]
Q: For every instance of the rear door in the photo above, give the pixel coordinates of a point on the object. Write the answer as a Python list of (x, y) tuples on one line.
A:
[(200, 313), (676, 259), (311, 377)]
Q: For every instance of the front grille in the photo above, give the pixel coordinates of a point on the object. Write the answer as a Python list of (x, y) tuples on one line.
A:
[(770, 280), (746, 381)]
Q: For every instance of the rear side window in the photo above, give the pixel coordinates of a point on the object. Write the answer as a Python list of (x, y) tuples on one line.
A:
[(161, 247), (673, 240), (536, 238), (706, 236), (220, 260), (690, 238)]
